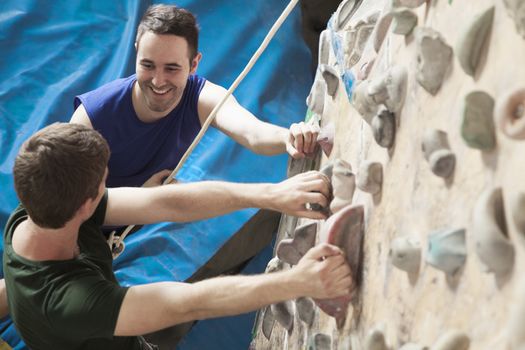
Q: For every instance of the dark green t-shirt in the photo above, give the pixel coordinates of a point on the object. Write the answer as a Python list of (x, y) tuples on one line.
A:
[(68, 304)]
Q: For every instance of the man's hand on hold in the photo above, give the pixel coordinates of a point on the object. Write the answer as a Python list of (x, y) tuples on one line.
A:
[(302, 139)]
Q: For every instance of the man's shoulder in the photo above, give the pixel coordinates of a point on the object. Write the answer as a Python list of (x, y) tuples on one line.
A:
[(113, 87)]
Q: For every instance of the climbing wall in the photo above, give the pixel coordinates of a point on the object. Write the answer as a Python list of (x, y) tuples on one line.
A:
[(424, 104)]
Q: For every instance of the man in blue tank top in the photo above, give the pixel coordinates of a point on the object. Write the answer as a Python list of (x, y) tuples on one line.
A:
[(149, 119)]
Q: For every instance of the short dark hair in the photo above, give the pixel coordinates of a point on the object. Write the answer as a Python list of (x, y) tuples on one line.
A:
[(170, 19), (57, 170)]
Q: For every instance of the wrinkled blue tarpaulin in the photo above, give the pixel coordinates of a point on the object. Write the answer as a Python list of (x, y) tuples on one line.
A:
[(52, 50)]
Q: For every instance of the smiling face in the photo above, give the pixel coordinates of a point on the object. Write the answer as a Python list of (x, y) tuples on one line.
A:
[(163, 66)]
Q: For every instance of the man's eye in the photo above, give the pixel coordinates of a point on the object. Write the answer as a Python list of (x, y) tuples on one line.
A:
[(146, 65)]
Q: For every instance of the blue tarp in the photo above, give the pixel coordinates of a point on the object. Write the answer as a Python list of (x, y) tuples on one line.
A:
[(54, 50)]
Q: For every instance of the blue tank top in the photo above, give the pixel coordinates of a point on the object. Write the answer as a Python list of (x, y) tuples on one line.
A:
[(138, 149)]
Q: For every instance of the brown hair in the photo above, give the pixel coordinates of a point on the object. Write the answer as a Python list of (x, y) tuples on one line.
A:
[(170, 19), (57, 170)]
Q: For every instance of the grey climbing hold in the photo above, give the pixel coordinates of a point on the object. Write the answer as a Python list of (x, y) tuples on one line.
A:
[(327, 170), (510, 113), (284, 314), (375, 340), (343, 184), (490, 235), (404, 21), (447, 250), (363, 102), (291, 250), (452, 340), (320, 341), (370, 177), (268, 322), (390, 88), (331, 79), (305, 310), (472, 40), (344, 12), (315, 100), (433, 59), (274, 265), (413, 346), (437, 152), (381, 29), (354, 41), (405, 253), (384, 128), (477, 127), (516, 10), (325, 46)]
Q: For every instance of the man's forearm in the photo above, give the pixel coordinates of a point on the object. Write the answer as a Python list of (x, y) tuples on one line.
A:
[(268, 139)]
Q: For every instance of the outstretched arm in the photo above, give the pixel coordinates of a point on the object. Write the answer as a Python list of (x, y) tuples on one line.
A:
[(201, 200), (254, 134), (321, 273)]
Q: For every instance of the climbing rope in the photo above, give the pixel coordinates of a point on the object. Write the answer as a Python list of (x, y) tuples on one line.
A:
[(116, 242)]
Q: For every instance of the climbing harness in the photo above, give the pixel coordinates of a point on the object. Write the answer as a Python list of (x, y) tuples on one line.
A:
[(116, 242)]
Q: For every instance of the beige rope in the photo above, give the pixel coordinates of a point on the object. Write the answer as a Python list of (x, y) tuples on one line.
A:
[(116, 243)]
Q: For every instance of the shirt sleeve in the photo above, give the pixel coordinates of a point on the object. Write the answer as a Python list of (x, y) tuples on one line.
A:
[(87, 307)]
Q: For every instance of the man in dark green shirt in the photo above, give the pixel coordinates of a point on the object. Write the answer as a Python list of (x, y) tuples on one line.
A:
[(61, 290)]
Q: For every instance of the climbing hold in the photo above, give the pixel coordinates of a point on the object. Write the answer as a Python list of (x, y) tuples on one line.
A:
[(284, 314), (363, 102), (343, 184), (305, 310), (268, 322), (510, 113), (516, 9), (437, 152), (315, 100), (274, 265), (345, 230), (324, 47), (452, 340), (477, 128), (404, 21), (490, 234), (370, 177), (327, 170), (355, 41), (320, 341), (390, 88), (405, 253), (447, 250), (381, 29), (413, 346), (291, 250), (344, 12), (325, 139), (433, 58), (384, 128), (375, 340), (331, 79), (472, 40)]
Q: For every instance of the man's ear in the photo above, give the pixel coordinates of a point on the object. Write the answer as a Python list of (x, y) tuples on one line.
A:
[(136, 46), (195, 63)]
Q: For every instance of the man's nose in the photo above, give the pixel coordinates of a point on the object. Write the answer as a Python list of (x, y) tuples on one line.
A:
[(158, 78)]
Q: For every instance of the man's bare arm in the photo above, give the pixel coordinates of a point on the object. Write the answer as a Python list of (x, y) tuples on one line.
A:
[(254, 134), (322, 273), (201, 200)]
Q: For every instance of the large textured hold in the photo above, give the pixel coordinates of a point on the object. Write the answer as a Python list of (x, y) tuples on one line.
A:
[(472, 40), (305, 310), (490, 234), (384, 128), (477, 127), (363, 102), (355, 39), (284, 314), (315, 100), (447, 250), (267, 322), (345, 230), (344, 12), (331, 79), (390, 88), (433, 59)]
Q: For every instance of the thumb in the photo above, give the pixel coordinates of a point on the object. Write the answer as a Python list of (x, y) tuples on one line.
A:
[(323, 250)]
